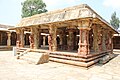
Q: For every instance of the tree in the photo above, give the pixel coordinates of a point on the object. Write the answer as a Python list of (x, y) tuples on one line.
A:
[(115, 21), (32, 7)]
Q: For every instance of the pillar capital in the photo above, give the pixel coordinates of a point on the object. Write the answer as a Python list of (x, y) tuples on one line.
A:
[(84, 23), (9, 33), (17, 31), (71, 29)]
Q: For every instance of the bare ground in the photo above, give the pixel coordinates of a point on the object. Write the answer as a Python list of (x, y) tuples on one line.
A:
[(13, 69)]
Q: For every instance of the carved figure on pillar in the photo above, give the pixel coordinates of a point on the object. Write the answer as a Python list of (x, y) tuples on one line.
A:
[(18, 44), (107, 41), (110, 41), (100, 40), (31, 40), (50, 42), (84, 42)]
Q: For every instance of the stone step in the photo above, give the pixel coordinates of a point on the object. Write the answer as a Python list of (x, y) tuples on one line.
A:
[(65, 54), (32, 54), (76, 58), (76, 55), (35, 58), (76, 63), (106, 58), (20, 50), (30, 60)]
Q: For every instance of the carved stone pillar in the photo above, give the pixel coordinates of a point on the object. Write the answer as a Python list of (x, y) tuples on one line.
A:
[(34, 41), (61, 41), (52, 38), (40, 38), (18, 42), (84, 42), (64, 40), (95, 38), (50, 42), (110, 41), (70, 40), (9, 39), (100, 39), (74, 40), (44, 37), (104, 40), (84, 37), (22, 37)]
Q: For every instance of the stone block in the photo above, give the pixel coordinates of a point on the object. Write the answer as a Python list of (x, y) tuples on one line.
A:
[(106, 58), (44, 58)]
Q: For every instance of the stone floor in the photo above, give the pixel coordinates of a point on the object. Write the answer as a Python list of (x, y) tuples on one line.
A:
[(13, 69)]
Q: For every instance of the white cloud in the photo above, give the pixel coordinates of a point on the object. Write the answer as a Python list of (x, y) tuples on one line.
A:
[(112, 3)]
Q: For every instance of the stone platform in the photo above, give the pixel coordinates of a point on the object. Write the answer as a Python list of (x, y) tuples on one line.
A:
[(71, 58)]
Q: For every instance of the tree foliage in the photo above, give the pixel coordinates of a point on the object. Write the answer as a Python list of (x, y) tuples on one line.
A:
[(114, 21), (32, 7)]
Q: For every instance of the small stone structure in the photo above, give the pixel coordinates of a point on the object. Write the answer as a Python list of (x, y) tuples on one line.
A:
[(6, 37), (35, 57), (116, 41), (32, 56), (74, 28)]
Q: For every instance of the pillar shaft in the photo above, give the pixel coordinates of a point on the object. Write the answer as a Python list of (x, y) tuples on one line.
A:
[(34, 43), (70, 40), (9, 39), (84, 42), (95, 39), (44, 37), (20, 38), (100, 39), (104, 40), (52, 38), (64, 40), (61, 39), (110, 41)]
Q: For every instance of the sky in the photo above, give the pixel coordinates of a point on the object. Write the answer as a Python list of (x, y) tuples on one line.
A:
[(10, 10)]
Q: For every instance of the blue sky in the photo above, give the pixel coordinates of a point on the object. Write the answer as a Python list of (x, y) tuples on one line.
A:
[(10, 10)]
